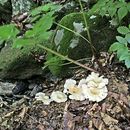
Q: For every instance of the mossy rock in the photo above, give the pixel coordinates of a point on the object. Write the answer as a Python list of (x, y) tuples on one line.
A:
[(20, 63), (102, 35), (21, 6), (5, 11)]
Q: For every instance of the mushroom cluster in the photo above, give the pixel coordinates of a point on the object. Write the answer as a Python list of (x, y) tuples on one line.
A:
[(92, 88)]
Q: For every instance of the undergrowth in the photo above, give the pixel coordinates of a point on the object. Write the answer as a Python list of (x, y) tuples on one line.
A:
[(43, 18)]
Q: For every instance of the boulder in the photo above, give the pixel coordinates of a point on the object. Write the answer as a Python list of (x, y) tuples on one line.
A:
[(21, 6), (20, 63), (68, 43), (5, 11), (75, 47)]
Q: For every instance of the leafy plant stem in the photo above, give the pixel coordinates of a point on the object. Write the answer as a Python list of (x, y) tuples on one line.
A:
[(87, 29), (65, 58), (75, 33)]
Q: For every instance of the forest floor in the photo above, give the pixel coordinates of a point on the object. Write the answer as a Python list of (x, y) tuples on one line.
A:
[(113, 113)]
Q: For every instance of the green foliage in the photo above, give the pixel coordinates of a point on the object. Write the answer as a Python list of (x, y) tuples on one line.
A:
[(117, 10), (114, 8), (55, 65), (40, 29), (39, 34), (45, 8), (8, 32), (121, 47)]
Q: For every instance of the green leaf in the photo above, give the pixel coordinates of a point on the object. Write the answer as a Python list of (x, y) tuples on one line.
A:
[(45, 8), (8, 32), (43, 36), (112, 11), (41, 27), (45, 22), (103, 11), (96, 8), (128, 6), (18, 43), (121, 51), (123, 30), (127, 37), (121, 39), (55, 65), (124, 56), (122, 12), (119, 4), (127, 62), (115, 46)]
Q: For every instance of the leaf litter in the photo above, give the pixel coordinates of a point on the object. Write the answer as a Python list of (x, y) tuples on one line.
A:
[(113, 113)]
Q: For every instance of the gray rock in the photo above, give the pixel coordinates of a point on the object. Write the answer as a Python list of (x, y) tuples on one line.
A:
[(6, 88), (21, 6), (20, 63), (36, 89), (102, 35)]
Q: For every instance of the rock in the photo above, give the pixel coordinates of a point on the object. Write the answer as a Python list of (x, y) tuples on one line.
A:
[(6, 88), (20, 63), (37, 88), (72, 45), (75, 47), (21, 6), (5, 11), (20, 87)]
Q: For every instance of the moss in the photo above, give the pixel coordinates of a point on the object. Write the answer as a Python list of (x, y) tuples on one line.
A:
[(102, 35), (19, 63)]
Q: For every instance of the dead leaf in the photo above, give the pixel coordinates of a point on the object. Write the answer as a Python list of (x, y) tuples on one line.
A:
[(40, 127), (124, 99), (9, 114), (114, 127), (90, 127), (44, 113), (23, 112), (117, 109), (108, 120), (68, 123), (97, 122)]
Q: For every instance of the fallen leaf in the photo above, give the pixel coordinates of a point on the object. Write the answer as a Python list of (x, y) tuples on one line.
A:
[(9, 114), (23, 112), (108, 120), (124, 99), (40, 127), (68, 123)]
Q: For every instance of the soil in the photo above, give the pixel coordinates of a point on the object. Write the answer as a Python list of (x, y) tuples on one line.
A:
[(22, 112)]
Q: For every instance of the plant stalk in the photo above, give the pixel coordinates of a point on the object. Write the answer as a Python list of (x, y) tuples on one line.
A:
[(66, 58), (76, 34), (87, 29)]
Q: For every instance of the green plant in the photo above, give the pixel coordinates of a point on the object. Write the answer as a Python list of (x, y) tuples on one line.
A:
[(116, 9), (121, 47), (42, 20)]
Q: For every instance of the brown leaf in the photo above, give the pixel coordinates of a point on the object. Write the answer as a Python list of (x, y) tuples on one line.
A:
[(114, 127), (23, 112), (9, 114), (113, 95), (124, 99), (108, 120), (97, 122), (68, 123), (40, 127)]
